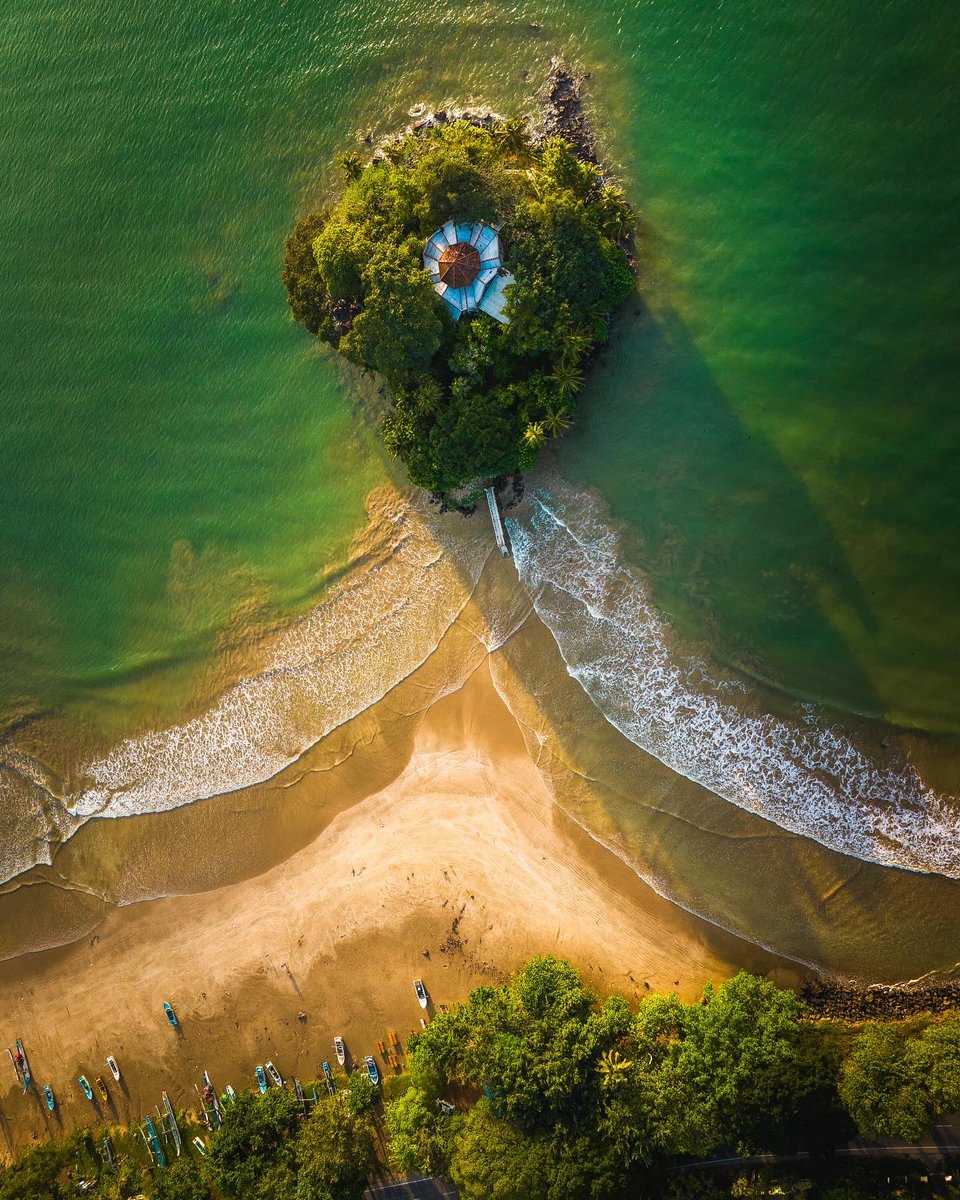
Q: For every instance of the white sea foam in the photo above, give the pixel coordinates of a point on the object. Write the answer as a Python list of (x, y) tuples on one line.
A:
[(374, 628), (808, 777)]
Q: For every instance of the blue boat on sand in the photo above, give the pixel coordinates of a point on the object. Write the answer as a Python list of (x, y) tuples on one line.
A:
[(49, 1097), (261, 1080), (87, 1089), (372, 1069), (171, 1015)]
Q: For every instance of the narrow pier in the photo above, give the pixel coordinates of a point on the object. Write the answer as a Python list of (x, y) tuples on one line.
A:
[(497, 523)]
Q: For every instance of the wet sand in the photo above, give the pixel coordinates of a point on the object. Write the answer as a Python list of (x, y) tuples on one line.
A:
[(463, 855)]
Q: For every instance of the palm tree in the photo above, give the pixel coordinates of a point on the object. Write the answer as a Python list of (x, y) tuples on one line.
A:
[(512, 137), (534, 435), (612, 1067), (567, 378), (557, 419), (351, 164), (575, 343)]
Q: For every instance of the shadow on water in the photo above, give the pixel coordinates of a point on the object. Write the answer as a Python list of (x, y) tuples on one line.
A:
[(729, 537)]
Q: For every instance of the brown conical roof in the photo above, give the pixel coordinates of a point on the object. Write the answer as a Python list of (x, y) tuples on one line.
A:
[(459, 265)]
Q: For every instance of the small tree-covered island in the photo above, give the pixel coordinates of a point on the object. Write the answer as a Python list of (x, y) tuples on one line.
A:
[(475, 267)]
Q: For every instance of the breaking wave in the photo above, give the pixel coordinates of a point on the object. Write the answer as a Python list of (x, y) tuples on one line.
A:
[(808, 777), (374, 627)]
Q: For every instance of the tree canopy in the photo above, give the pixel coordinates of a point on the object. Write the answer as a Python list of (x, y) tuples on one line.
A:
[(537, 1089), (470, 399)]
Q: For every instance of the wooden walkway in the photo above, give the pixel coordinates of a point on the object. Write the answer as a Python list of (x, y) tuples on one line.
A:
[(498, 529)]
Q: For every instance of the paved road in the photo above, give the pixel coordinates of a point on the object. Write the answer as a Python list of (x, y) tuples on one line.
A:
[(943, 1142), (425, 1187)]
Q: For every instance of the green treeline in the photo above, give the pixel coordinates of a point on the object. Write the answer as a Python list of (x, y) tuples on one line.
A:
[(470, 398), (536, 1091)]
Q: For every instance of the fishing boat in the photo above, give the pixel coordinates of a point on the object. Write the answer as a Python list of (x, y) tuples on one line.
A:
[(13, 1063), (49, 1097), (229, 1095), (372, 1070), (261, 1080), (274, 1073), (327, 1073), (102, 1090), (153, 1141), (212, 1113), (421, 992), (23, 1065), (87, 1089), (201, 1146), (339, 1050), (171, 1121), (114, 1069), (106, 1150), (298, 1089), (171, 1015)]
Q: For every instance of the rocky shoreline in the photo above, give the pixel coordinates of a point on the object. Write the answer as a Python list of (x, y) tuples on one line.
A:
[(563, 114), (827, 1000)]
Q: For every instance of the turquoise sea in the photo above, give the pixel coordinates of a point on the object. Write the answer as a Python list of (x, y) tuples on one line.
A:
[(772, 433)]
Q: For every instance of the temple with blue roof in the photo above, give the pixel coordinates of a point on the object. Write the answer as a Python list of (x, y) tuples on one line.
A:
[(464, 264)]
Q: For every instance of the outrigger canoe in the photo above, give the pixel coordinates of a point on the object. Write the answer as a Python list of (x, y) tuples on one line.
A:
[(261, 1080), (372, 1070), (340, 1050), (274, 1073), (114, 1069), (421, 992), (24, 1066), (49, 1097), (171, 1015), (87, 1089)]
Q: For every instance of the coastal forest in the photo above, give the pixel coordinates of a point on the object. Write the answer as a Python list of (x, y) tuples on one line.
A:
[(537, 1090), (472, 398)]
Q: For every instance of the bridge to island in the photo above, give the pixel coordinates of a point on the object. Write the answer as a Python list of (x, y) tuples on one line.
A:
[(498, 531)]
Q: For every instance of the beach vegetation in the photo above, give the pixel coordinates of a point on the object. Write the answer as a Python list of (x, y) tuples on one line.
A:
[(182, 1180), (537, 1089), (255, 1133), (39, 1173), (335, 1152), (362, 1092), (418, 1133), (470, 399)]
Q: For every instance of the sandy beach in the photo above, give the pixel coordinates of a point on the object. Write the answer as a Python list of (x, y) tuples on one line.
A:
[(457, 871)]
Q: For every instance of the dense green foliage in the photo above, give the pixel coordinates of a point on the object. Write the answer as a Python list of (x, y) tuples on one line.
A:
[(473, 398), (37, 1174), (254, 1131), (335, 1152), (536, 1090), (893, 1086)]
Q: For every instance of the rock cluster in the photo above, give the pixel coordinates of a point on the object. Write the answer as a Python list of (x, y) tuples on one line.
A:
[(845, 1002), (563, 114)]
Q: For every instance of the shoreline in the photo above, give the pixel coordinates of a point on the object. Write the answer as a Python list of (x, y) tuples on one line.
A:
[(464, 855)]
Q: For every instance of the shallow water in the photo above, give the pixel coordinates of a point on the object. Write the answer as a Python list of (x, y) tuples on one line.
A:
[(764, 596)]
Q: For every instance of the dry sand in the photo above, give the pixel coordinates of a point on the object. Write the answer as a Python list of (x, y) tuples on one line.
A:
[(464, 856)]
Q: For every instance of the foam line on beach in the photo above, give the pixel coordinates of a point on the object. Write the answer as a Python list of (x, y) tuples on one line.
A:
[(807, 777), (374, 628)]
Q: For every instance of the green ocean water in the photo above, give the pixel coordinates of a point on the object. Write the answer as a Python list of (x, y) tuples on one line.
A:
[(778, 434)]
